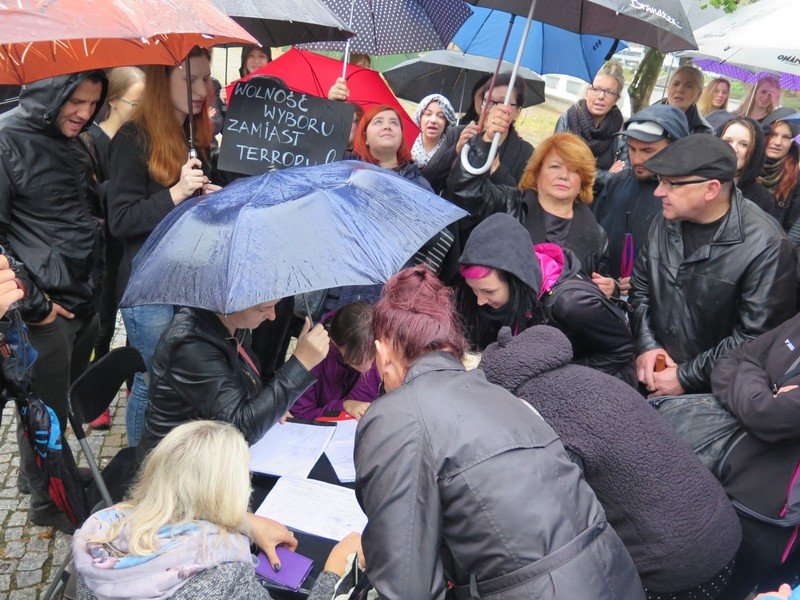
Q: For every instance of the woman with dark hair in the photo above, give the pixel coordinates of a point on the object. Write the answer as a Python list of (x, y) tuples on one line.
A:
[(347, 379), (473, 112), (253, 58), (780, 174), (552, 199), (439, 460), (747, 140), (149, 175), (508, 281), (513, 153)]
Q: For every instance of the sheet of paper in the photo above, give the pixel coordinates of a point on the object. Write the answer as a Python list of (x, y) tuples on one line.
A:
[(322, 509), (340, 450), (290, 449)]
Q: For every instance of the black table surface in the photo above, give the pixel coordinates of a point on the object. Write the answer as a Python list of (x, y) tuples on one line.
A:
[(312, 546)]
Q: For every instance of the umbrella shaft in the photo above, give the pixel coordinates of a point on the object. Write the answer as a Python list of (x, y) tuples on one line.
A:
[(497, 68), (188, 70)]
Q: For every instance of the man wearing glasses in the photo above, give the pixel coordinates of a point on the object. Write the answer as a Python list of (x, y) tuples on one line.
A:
[(715, 271)]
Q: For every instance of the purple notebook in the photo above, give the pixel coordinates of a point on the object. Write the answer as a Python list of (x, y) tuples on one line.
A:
[(294, 569)]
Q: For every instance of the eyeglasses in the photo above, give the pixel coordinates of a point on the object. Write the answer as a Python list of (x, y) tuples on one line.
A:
[(128, 102), (668, 184), (490, 103), (603, 92)]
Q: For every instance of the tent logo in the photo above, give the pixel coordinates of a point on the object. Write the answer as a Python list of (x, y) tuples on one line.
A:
[(792, 60), (657, 12)]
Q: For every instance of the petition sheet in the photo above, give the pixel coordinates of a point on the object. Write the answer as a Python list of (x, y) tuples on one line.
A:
[(340, 450), (290, 449), (321, 509)]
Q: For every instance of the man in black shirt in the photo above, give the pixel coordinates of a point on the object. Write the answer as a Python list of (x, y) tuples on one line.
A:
[(715, 271)]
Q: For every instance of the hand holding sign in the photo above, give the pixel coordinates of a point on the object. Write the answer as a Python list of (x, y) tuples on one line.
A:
[(270, 126)]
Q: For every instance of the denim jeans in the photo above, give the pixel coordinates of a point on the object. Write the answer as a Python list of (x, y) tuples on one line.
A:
[(144, 326)]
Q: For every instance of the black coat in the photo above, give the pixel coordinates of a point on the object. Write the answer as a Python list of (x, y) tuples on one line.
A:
[(136, 202), (49, 201), (670, 512), (759, 466), (733, 289), (481, 197), (624, 194), (514, 155), (198, 374), (438, 463)]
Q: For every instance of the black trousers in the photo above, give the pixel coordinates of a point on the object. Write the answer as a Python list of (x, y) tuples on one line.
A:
[(64, 348)]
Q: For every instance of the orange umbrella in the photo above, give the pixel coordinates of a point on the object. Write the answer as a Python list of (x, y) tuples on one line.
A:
[(45, 38)]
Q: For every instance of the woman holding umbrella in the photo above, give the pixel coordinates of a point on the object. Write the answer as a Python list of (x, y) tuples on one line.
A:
[(149, 175)]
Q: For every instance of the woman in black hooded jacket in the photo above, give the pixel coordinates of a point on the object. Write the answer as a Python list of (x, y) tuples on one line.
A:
[(747, 139), (509, 281)]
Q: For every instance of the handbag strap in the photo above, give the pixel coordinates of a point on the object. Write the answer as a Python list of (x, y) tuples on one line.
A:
[(243, 353)]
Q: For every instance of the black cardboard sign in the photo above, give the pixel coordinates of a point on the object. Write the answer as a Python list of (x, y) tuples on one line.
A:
[(268, 125)]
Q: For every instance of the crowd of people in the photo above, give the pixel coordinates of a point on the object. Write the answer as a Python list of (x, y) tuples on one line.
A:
[(633, 427)]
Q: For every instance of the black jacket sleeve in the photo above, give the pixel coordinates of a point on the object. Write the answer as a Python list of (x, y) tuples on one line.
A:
[(643, 329), (132, 211), (201, 374), (741, 383), (766, 298), (35, 307), (478, 194), (398, 491)]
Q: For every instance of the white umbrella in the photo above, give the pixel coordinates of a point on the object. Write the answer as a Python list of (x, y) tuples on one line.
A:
[(761, 35)]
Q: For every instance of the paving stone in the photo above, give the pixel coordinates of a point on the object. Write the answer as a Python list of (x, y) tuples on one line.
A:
[(8, 565), (28, 578), (32, 561), (38, 544), (5, 582), (22, 594), (9, 492), (13, 533), (9, 503), (17, 519), (14, 549)]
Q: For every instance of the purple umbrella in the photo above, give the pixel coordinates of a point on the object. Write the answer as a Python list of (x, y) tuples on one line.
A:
[(788, 81), (628, 251)]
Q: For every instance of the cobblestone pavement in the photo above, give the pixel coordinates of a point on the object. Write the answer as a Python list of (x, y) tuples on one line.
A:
[(30, 554)]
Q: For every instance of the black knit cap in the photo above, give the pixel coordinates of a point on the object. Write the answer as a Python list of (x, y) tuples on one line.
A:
[(698, 155)]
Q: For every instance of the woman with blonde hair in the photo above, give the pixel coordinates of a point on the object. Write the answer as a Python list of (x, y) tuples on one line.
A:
[(552, 199), (683, 91), (713, 103), (763, 98), (184, 531), (150, 173)]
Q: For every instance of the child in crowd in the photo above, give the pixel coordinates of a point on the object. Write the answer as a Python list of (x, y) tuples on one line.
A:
[(347, 379)]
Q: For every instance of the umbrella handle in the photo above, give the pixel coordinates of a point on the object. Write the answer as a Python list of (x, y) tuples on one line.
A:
[(346, 55), (496, 141)]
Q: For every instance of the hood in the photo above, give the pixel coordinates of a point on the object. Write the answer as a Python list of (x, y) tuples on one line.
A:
[(755, 166), (670, 118), (502, 242), (512, 361), (444, 103), (781, 114), (41, 101), (556, 264)]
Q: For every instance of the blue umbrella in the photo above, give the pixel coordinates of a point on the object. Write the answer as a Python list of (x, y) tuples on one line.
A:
[(286, 233), (549, 49)]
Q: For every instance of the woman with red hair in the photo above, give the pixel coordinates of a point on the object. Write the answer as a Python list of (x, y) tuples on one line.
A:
[(149, 175), (379, 140), (456, 473), (552, 199)]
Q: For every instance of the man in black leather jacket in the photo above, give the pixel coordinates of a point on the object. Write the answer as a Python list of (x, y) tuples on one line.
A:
[(48, 222), (715, 271)]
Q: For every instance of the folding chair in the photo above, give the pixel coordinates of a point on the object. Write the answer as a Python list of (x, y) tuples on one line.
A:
[(88, 397)]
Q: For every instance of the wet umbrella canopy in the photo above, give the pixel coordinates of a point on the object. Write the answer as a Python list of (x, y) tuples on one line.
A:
[(282, 22), (286, 233)]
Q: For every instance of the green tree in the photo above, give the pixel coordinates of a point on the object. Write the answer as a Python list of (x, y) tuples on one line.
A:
[(646, 76)]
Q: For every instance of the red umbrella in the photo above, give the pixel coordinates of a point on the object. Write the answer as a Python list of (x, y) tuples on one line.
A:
[(310, 73), (44, 39)]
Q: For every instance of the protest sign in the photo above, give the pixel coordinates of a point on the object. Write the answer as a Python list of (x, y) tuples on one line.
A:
[(268, 125)]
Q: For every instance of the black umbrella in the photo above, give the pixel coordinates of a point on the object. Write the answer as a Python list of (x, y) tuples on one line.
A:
[(453, 74), (660, 24), (283, 22)]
